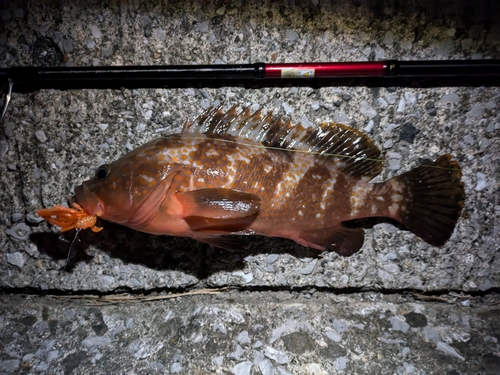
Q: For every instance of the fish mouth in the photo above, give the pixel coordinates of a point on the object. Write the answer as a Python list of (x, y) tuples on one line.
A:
[(88, 200)]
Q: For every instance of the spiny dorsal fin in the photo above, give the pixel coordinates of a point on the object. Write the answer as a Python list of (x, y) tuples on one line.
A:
[(349, 149)]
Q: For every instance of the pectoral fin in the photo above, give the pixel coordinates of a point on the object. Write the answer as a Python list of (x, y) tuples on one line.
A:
[(223, 242), (219, 203), (220, 226), (219, 211)]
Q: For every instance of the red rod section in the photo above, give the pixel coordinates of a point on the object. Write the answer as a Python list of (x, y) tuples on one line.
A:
[(327, 70)]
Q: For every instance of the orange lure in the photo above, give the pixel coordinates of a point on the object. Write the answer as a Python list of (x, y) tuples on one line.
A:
[(69, 218)]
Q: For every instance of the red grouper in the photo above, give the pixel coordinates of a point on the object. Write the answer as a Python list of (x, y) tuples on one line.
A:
[(238, 173)]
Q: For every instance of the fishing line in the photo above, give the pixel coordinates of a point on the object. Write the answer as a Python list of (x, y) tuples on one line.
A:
[(318, 153), (77, 231)]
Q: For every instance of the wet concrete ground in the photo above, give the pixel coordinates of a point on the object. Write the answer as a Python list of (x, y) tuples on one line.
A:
[(288, 309)]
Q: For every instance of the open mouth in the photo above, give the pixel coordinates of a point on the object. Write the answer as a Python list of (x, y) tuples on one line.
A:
[(87, 199)]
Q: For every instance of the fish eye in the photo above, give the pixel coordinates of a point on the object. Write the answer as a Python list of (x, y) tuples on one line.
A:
[(102, 172)]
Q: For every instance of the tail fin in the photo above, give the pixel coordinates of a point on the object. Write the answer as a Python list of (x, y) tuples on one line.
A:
[(436, 199)]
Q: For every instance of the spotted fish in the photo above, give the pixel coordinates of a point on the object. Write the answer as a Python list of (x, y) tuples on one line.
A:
[(238, 172)]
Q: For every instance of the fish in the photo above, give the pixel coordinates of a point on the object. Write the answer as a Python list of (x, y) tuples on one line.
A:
[(239, 172)]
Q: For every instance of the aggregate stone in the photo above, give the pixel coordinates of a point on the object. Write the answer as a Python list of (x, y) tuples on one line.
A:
[(313, 369), (367, 110), (401, 105), (482, 181), (447, 349), (341, 363), (9, 365), (334, 336), (34, 219), (346, 96), (309, 268), (298, 342), (292, 35), (394, 159), (388, 38), (16, 259), (388, 144), (96, 32), (408, 133), (73, 360), (399, 325), (381, 103), (243, 338), (333, 350), (68, 45), (410, 99), (450, 98), (242, 368), (276, 355), (19, 231), (477, 111), (415, 319), (266, 367)]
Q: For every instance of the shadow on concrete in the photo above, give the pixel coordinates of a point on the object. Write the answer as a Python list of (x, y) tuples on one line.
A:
[(160, 252), (171, 253)]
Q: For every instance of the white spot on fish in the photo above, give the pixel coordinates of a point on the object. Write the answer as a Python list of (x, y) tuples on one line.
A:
[(396, 186), (318, 216), (393, 209), (397, 197), (212, 152), (201, 180), (359, 195), (277, 192), (231, 174), (146, 177), (327, 191), (300, 213), (268, 168), (292, 177), (380, 199)]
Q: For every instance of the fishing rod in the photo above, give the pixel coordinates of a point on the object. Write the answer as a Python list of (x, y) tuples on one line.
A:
[(429, 73)]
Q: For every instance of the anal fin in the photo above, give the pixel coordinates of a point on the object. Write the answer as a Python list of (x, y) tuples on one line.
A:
[(341, 239)]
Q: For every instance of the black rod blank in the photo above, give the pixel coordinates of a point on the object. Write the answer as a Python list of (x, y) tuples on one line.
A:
[(369, 73)]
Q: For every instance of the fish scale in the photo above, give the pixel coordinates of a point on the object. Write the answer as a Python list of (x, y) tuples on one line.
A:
[(234, 172)]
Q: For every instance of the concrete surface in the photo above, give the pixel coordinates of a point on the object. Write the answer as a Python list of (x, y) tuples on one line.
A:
[(247, 332), (52, 140)]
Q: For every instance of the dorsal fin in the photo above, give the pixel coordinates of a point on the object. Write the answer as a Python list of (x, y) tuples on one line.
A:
[(349, 149)]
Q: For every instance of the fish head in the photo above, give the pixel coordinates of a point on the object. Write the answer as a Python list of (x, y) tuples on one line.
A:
[(129, 187)]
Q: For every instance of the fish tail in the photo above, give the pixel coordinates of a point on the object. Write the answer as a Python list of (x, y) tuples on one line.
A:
[(428, 200)]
